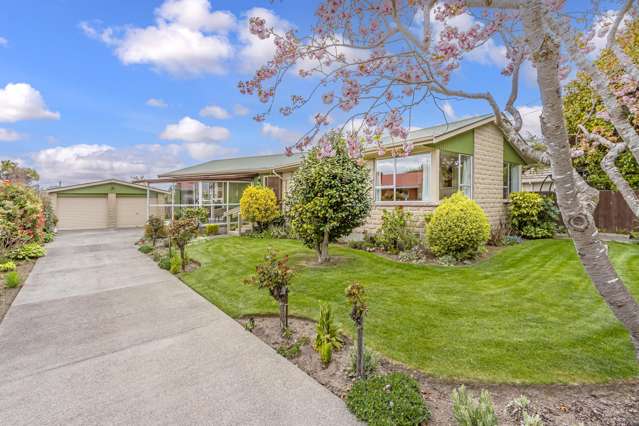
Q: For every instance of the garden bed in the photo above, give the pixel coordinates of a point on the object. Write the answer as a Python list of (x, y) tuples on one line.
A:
[(613, 404), (7, 295)]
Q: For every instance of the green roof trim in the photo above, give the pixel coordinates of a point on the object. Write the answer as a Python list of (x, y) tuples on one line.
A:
[(463, 143), (510, 155), (103, 187)]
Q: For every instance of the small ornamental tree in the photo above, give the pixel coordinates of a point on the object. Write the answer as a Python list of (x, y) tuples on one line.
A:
[(155, 227), (181, 231), (357, 299), (330, 196), (274, 275), (259, 206), (199, 213)]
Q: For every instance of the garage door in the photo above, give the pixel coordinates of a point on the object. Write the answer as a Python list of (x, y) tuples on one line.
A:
[(130, 211), (82, 212)]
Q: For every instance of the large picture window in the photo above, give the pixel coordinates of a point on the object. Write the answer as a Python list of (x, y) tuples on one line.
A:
[(455, 174), (403, 178), (512, 181)]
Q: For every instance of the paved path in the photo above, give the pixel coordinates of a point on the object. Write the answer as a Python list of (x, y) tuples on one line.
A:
[(100, 335)]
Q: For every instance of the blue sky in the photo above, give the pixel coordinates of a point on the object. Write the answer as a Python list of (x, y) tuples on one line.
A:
[(107, 91)]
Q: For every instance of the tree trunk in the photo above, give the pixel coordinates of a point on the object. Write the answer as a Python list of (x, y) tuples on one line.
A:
[(323, 249), (183, 257), (577, 215), (284, 312), (360, 349)]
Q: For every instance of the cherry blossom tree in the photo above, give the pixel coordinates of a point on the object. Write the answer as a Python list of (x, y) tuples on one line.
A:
[(377, 60)]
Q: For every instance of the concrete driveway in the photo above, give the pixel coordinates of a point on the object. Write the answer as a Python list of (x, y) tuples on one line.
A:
[(100, 335)]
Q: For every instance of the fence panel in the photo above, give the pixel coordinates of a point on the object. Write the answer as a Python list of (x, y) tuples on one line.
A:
[(613, 214)]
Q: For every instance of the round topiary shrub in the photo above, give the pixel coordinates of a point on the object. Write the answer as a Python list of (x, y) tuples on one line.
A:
[(393, 399), (259, 205), (458, 227)]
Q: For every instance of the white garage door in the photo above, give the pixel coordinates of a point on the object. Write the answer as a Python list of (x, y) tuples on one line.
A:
[(130, 211), (82, 212)]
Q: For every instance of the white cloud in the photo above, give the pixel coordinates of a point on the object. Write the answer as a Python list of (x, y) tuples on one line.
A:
[(85, 162), (196, 15), (191, 130), (449, 111), (280, 134), (8, 135), (240, 110), (186, 40), (3, 41), (20, 101), (207, 151), (157, 103), (215, 111), (257, 52), (530, 119)]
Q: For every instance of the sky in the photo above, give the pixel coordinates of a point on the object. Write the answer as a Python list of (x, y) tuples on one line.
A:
[(111, 88)]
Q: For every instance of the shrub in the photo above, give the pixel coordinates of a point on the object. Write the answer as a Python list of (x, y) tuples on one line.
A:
[(417, 254), (469, 412), (258, 205), (361, 245), (145, 248), (458, 227), (181, 231), (329, 197), (327, 338), (28, 251), (48, 237), (394, 235), (393, 399), (21, 217), (12, 279), (274, 275), (212, 229), (532, 215), (175, 264), (165, 262), (371, 362), (198, 213), (50, 219), (7, 266), (154, 229)]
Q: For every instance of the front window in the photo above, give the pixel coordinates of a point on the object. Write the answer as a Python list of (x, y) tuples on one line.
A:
[(455, 174), (403, 178), (512, 181)]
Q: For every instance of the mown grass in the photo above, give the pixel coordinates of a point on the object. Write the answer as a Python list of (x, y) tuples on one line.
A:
[(529, 314)]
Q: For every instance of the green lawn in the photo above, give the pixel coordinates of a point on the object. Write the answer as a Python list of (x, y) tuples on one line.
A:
[(529, 314)]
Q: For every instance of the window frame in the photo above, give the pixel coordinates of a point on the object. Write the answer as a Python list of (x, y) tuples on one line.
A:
[(426, 193), (460, 185), (507, 189)]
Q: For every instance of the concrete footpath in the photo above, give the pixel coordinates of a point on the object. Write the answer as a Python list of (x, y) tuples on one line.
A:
[(100, 335)]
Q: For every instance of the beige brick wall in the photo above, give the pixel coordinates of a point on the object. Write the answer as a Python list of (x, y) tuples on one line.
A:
[(488, 173)]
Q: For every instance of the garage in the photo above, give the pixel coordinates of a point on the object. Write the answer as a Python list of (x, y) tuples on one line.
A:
[(103, 204)]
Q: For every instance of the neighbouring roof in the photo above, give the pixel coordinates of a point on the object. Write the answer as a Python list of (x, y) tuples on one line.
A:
[(268, 163), (104, 182)]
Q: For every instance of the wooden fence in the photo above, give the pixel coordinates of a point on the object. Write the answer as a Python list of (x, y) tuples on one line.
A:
[(613, 214)]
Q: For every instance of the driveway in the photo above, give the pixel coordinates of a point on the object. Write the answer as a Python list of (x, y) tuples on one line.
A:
[(100, 335)]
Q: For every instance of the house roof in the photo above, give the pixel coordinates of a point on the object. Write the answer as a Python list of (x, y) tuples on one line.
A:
[(243, 166), (254, 164), (103, 182)]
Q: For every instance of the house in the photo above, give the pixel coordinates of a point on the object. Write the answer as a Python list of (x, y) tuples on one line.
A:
[(103, 204), (469, 155)]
